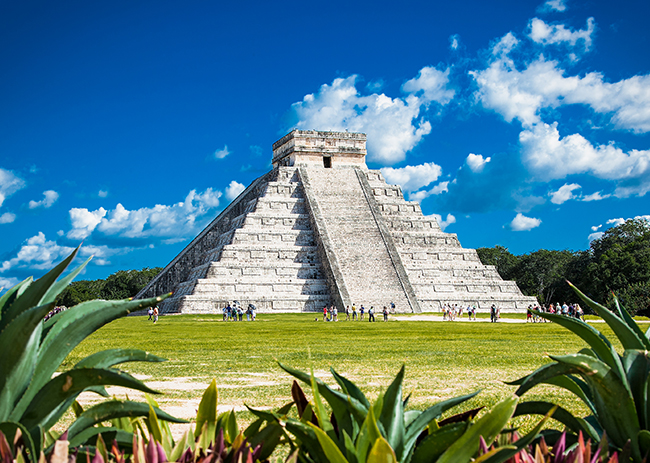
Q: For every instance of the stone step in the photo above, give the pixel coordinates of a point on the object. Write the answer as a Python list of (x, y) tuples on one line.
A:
[(265, 235), (271, 252), (267, 289), (495, 287)]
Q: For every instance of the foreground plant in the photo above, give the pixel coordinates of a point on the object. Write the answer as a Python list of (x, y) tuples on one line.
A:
[(615, 388), (360, 432), (32, 398)]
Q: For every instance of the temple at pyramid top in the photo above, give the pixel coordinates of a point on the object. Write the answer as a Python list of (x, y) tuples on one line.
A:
[(320, 228), (325, 149)]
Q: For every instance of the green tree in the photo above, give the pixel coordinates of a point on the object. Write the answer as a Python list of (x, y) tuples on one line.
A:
[(120, 285), (542, 274), (127, 283), (621, 259)]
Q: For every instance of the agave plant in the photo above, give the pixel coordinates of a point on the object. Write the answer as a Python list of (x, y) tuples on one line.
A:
[(360, 432), (614, 387), (32, 396)]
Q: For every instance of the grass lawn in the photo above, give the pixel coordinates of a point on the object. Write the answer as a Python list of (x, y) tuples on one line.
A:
[(442, 359)]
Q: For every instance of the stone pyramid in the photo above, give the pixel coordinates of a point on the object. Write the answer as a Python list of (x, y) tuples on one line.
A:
[(321, 228)]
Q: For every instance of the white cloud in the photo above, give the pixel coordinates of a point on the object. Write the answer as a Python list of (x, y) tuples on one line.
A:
[(476, 162), (412, 178), (102, 193), (431, 84), (616, 222), (37, 253), (162, 221), (392, 124), (444, 223), (564, 194), (594, 197), (84, 222), (549, 156), (418, 196), (521, 94), (49, 198), (596, 227), (9, 184), (523, 223), (233, 190), (222, 153), (595, 236), (554, 5), (7, 217), (546, 34)]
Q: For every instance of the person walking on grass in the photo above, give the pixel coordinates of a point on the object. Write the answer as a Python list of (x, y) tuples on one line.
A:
[(150, 312), (155, 314), (371, 314), (385, 313), (361, 312), (354, 312), (347, 313), (325, 313)]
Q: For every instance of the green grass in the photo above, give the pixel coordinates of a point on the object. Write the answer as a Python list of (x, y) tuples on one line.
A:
[(442, 359)]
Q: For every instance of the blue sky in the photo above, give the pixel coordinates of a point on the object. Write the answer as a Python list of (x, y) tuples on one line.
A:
[(130, 125)]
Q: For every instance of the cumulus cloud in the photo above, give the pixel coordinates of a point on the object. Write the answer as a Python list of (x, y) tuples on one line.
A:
[(476, 162), (564, 194), (431, 84), (163, 221), (222, 153), (9, 184), (444, 223), (49, 198), (233, 190), (520, 92), (37, 253), (549, 156), (412, 178), (546, 34), (523, 223), (393, 125), (7, 217), (84, 222)]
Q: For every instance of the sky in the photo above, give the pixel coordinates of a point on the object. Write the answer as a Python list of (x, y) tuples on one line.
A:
[(129, 125)]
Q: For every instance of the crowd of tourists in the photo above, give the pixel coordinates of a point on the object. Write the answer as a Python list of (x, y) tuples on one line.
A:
[(452, 312), (568, 310), (331, 313), (236, 312)]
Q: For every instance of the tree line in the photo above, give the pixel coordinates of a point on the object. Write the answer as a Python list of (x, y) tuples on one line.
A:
[(618, 261), (120, 285)]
